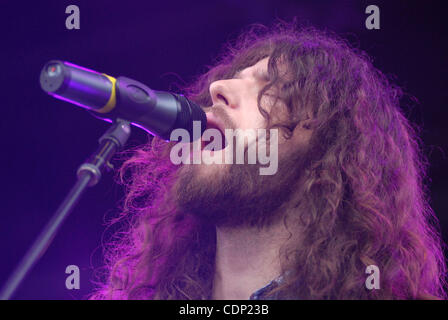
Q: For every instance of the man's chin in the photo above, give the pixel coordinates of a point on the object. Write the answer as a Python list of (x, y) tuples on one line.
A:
[(221, 195), (201, 189), (236, 195)]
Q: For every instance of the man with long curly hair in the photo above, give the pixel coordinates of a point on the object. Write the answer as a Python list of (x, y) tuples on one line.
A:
[(349, 191)]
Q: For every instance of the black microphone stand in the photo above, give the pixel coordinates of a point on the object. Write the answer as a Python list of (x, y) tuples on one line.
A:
[(89, 173)]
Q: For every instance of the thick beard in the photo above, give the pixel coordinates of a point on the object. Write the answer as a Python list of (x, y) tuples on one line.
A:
[(240, 197)]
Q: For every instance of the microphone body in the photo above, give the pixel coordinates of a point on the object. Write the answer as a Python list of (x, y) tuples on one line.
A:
[(157, 112)]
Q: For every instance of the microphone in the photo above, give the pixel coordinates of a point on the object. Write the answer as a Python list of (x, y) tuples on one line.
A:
[(157, 112)]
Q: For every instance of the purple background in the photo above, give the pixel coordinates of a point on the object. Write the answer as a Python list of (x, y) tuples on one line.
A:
[(44, 140)]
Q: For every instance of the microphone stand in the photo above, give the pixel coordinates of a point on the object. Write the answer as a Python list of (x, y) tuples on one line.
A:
[(89, 173)]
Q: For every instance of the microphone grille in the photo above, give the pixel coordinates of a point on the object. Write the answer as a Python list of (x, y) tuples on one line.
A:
[(189, 112)]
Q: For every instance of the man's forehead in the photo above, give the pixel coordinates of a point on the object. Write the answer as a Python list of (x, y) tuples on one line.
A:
[(261, 64)]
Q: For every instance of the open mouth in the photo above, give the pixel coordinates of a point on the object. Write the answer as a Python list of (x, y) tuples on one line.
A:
[(216, 138)]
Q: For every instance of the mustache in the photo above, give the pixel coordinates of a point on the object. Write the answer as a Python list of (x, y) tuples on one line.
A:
[(220, 113)]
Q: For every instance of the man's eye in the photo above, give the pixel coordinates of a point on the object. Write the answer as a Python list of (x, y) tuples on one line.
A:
[(264, 76)]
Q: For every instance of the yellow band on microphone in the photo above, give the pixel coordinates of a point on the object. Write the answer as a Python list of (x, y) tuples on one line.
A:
[(112, 99)]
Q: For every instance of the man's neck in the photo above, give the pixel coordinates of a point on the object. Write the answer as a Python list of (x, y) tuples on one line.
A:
[(246, 260)]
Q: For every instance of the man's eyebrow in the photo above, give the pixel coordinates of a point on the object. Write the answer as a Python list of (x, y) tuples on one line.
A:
[(237, 75), (257, 73)]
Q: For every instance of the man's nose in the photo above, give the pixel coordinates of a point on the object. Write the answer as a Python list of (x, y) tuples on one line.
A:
[(222, 92)]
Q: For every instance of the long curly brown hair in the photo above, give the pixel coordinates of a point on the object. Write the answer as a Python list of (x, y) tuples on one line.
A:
[(364, 199)]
